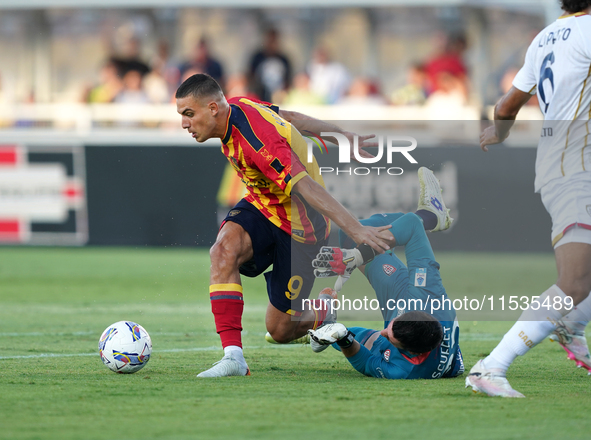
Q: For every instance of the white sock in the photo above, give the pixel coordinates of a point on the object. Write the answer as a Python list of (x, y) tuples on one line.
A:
[(236, 353), (578, 319), (532, 328)]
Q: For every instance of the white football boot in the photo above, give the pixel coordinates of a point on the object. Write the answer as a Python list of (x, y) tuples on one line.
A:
[(574, 343), (490, 381), (227, 366), (431, 199)]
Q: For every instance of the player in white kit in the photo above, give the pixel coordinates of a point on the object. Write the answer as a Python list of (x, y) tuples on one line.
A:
[(558, 68)]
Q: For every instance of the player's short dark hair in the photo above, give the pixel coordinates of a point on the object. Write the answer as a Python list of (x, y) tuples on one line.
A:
[(200, 85), (418, 332), (572, 6)]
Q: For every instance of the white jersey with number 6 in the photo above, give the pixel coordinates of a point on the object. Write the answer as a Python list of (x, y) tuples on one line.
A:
[(558, 68)]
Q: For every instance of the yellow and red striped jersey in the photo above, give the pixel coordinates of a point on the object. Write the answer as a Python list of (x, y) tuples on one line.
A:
[(266, 152)]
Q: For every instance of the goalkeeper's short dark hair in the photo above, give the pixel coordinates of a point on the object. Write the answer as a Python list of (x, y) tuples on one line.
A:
[(418, 332), (199, 86), (572, 6)]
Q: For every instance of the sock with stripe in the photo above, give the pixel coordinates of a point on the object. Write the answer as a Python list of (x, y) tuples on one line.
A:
[(320, 309), (227, 305)]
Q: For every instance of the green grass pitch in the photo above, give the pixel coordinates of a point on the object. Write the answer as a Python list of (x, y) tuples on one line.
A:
[(55, 303)]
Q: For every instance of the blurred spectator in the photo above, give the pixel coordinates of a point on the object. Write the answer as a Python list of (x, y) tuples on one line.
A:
[(448, 61), (156, 87), (363, 91), (189, 73), (270, 70), (109, 86), (237, 85), (168, 69), (328, 79), (413, 93), (130, 59), (163, 79), (448, 98), (203, 62), (301, 94), (133, 91)]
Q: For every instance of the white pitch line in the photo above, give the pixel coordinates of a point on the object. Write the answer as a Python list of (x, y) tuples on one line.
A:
[(208, 333), (463, 336), (47, 355), (47, 334), (173, 350)]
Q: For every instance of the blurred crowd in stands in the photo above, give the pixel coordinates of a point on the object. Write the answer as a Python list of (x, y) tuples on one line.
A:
[(270, 76), (441, 80)]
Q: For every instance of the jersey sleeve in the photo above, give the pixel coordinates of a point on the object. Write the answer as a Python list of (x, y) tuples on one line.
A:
[(276, 160), (374, 366), (525, 80)]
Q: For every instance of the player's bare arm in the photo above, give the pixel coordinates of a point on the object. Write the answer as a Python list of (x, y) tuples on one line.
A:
[(307, 123), (321, 200), (506, 111)]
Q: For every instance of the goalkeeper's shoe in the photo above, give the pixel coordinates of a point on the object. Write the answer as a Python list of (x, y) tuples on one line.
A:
[(490, 381), (227, 366), (333, 261), (303, 340), (431, 199), (574, 343), (328, 334)]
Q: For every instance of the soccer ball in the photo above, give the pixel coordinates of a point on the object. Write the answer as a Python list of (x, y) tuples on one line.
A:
[(125, 347)]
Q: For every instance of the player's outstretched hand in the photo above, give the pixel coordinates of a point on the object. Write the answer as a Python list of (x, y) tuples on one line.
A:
[(329, 333), (490, 136), (379, 238), (364, 142)]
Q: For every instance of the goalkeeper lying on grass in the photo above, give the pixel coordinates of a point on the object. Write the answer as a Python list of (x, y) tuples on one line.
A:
[(413, 343)]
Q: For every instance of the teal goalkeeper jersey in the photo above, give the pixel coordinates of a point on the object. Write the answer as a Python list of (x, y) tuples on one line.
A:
[(400, 288), (388, 362)]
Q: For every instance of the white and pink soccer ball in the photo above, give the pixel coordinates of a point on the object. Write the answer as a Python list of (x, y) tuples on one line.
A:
[(125, 347)]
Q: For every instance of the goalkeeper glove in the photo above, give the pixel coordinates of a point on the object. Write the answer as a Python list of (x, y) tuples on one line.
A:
[(333, 261), (330, 333)]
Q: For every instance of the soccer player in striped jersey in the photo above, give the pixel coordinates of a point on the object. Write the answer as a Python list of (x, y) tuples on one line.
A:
[(283, 220), (558, 68)]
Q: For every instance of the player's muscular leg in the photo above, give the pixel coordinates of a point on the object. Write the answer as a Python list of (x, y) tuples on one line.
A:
[(283, 329), (233, 247), (573, 261)]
